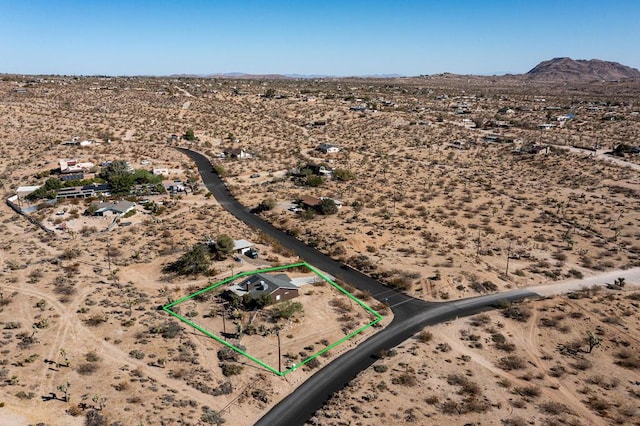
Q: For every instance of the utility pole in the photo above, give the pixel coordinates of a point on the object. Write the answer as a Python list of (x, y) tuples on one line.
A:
[(478, 248), (508, 256), (109, 251), (224, 324), (279, 354)]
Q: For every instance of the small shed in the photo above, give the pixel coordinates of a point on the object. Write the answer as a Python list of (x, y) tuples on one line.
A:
[(242, 246)]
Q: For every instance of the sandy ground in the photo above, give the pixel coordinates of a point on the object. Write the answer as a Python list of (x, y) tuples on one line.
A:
[(454, 373), (438, 222)]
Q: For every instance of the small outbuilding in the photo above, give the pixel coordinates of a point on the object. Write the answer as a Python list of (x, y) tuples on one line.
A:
[(327, 148), (242, 246)]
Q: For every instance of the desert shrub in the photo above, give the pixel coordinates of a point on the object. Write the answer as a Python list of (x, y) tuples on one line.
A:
[(449, 407), (260, 395), (212, 417), (528, 391), (24, 395), (512, 362), (86, 369), (432, 400), (553, 408), (557, 371), (380, 368), (92, 356), (74, 411), (598, 404), (405, 379), (137, 354), (341, 304), (96, 319), (313, 363), (231, 369), (443, 347), (228, 354), (478, 320), (168, 329), (506, 346), (12, 325), (194, 261), (518, 313), (467, 387), (224, 389), (425, 336), (514, 421), (628, 359), (70, 253), (95, 418), (481, 287), (582, 364), (286, 309)]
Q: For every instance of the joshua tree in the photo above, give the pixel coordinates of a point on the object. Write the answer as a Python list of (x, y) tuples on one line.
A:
[(63, 355), (100, 400), (64, 388), (619, 282), (593, 341)]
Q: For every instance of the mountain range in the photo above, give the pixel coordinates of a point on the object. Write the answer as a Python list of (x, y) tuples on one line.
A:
[(553, 70), (567, 69)]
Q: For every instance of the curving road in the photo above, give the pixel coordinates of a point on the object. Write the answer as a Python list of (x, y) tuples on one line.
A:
[(410, 314)]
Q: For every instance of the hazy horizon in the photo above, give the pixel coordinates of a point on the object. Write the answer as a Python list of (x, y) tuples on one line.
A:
[(357, 38)]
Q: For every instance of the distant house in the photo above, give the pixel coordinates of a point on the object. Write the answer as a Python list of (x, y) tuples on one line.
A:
[(237, 153), (328, 148), (71, 176), (160, 171), (545, 126), (459, 144), (310, 202), (317, 170), (73, 166), (317, 123), (86, 191), (23, 191), (493, 138), (532, 149), (278, 286), (176, 186), (117, 208), (566, 117)]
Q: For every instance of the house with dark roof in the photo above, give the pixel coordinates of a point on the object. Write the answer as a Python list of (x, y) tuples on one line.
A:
[(237, 153), (278, 287), (85, 191), (328, 148)]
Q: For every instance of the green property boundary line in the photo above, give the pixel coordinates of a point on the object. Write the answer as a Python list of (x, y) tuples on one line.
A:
[(376, 315)]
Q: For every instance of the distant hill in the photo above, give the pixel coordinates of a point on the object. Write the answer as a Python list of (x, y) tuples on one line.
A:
[(567, 69)]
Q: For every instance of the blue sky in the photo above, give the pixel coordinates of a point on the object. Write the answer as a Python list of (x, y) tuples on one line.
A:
[(348, 37)]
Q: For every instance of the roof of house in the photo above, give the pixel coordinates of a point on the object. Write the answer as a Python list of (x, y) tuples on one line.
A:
[(242, 244), (118, 207), (260, 284), (325, 146), (310, 201)]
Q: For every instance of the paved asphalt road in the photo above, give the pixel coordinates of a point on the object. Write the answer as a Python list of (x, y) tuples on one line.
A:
[(410, 315)]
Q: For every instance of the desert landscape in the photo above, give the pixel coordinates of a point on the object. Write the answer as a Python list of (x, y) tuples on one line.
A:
[(443, 187)]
